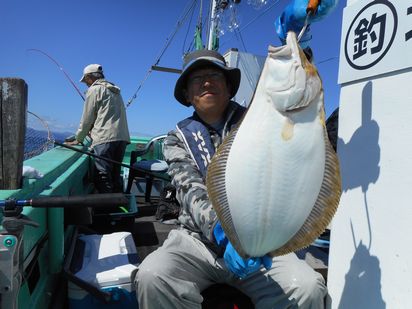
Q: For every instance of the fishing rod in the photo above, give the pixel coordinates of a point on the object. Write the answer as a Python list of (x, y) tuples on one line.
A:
[(144, 171), (92, 200), (61, 69)]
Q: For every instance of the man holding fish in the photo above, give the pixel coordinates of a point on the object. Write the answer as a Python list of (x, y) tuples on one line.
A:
[(205, 250)]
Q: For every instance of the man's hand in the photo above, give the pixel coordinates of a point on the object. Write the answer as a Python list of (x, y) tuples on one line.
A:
[(244, 267), (294, 15), (234, 262)]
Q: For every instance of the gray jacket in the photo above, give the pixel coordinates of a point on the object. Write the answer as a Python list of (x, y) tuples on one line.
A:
[(197, 213), (104, 114)]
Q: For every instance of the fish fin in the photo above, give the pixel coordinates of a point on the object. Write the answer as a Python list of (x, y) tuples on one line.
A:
[(216, 188), (325, 206)]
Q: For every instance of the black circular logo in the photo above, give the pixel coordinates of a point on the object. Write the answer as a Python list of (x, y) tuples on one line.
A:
[(371, 34)]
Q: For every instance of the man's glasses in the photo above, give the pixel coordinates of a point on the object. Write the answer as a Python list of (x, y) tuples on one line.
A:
[(200, 79)]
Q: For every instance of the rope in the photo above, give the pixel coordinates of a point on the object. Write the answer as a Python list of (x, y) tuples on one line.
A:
[(188, 28), (239, 37)]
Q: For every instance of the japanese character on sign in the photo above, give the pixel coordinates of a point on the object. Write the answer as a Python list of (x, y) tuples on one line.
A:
[(371, 34), (365, 28), (408, 34)]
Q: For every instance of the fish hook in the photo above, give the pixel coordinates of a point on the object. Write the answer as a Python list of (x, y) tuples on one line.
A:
[(310, 10), (305, 26)]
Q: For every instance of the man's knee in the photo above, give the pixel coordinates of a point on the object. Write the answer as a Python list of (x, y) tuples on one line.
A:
[(146, 277), (149, 277), (309, 290)]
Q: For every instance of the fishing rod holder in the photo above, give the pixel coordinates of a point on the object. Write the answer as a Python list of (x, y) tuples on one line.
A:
[(13, 220), (12, 207)]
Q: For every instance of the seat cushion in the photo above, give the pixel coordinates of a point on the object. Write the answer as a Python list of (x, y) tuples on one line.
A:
[(152, 165)]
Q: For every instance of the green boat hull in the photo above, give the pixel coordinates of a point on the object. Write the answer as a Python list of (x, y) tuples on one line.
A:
[(66, 173)]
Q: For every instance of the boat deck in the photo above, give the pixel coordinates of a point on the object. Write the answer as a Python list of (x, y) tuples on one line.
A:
[(150, 233)]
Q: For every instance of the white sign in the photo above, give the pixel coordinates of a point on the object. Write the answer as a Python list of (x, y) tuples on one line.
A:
[(376, 39)]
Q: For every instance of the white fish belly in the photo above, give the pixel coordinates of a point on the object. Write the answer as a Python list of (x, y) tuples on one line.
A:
[(272, 182)]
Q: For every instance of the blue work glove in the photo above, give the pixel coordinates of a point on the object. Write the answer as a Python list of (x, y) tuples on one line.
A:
[(294, 15), (234, 262)]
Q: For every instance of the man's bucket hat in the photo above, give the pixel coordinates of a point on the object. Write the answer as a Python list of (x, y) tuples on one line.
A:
[(205, 58), (91, 68)]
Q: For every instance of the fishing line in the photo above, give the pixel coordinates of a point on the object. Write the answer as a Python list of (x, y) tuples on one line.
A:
[(167, 44), (254, 19), (90, 154), (260, 15), (326, 60), (61, 69)]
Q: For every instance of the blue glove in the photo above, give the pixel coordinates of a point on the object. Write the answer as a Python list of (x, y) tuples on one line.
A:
[(294, 15), (234, 262)]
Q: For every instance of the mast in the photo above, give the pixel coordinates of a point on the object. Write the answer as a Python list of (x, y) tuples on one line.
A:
[(213, 26), (216, 7)]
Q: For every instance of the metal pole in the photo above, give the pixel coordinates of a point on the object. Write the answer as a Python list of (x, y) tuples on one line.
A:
[(212, 26)]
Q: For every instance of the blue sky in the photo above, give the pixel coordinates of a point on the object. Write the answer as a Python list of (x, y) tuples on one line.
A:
[(126, 37)]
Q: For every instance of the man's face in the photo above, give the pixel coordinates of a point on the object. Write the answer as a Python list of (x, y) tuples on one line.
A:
[(208, 91), (88, 80)]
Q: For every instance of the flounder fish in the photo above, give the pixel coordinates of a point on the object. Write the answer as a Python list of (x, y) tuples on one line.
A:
[(275, 181)]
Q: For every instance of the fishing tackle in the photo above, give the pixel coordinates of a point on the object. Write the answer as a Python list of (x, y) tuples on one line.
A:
[(61, 69)]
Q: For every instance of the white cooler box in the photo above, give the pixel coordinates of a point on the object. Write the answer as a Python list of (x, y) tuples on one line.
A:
[(101, 268)]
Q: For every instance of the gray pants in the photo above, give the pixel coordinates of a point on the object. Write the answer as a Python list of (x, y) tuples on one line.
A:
[(174, 275)]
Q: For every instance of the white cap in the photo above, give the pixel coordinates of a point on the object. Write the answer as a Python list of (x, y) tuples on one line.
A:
[(91, 68)]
